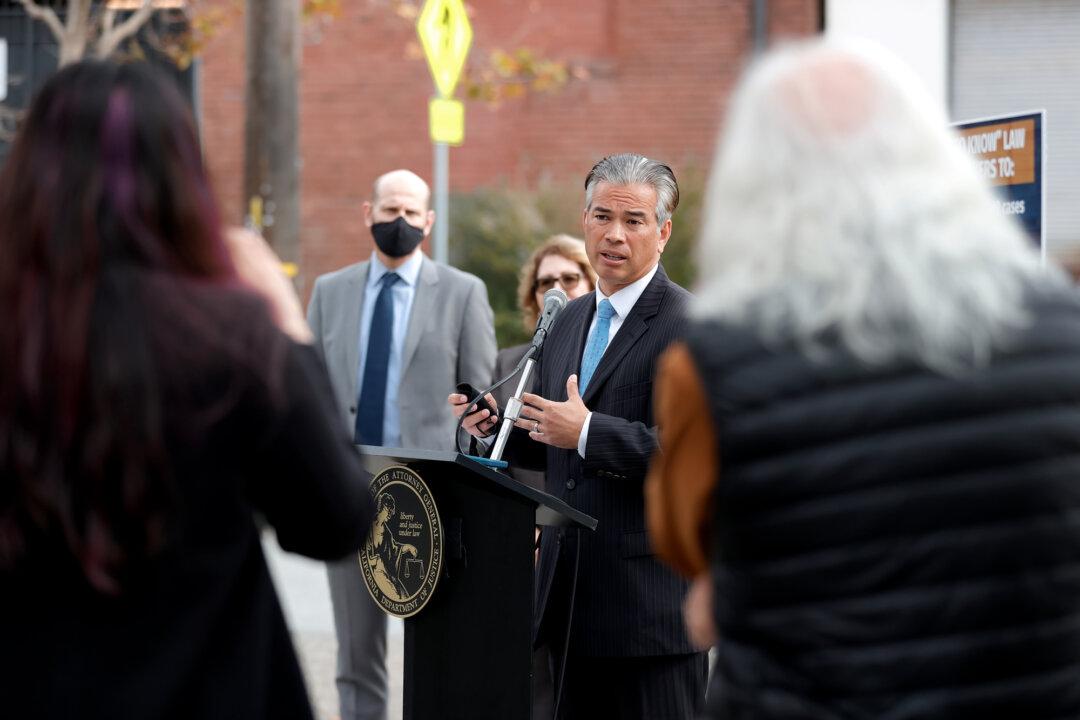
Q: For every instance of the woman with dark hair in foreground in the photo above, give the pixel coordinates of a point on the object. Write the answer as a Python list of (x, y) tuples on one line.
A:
[(149, 402)]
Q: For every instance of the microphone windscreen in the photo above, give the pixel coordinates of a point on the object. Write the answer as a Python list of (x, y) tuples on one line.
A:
[(554, 302), (555, 295)]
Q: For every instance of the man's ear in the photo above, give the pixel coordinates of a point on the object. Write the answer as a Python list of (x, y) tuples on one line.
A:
[(368, 220), (665, 234), (429, 222)]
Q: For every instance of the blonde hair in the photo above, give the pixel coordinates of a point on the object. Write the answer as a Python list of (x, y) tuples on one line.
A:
[(842, 205), (570, 248)]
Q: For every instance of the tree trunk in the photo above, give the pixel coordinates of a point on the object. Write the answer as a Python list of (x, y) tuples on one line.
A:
[(271, 127)]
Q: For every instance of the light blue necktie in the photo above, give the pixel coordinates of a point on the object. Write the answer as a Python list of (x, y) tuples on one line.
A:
[(598, 339)]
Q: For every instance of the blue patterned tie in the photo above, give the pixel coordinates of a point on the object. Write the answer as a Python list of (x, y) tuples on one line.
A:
[(598, 339), (371, 407)]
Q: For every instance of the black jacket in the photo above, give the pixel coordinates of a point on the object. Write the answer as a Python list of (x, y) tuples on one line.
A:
[(893, 543), (198, 631), (626, 602)]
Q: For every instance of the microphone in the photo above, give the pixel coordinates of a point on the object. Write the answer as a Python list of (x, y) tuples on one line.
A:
[(554, 302)]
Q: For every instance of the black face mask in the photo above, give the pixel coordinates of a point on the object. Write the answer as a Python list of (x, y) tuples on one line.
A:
[(398, 238)]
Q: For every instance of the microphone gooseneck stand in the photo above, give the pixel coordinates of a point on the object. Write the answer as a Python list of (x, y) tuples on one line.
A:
[(526, 360), (554, 301), (513, 406)]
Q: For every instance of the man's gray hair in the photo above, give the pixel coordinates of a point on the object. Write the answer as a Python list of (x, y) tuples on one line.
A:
[(634, 169), (841, 209)]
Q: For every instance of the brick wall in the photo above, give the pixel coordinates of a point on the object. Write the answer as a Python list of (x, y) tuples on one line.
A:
[(221, 112), (660, 72)]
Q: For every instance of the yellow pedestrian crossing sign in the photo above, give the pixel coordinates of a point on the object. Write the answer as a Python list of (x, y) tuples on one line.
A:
[(446, 34)]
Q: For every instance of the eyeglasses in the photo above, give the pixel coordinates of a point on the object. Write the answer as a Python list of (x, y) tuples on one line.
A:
[(568, 281)]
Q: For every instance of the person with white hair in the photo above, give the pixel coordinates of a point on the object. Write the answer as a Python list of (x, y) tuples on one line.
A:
[(888, 378)]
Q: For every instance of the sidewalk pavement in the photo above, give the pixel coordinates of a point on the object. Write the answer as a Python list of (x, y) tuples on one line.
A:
[(305, 596)]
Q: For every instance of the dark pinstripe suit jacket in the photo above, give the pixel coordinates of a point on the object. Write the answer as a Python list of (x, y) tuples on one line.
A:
[(627, 603)]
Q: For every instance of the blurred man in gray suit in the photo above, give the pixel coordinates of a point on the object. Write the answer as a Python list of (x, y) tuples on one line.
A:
[(397, 333)]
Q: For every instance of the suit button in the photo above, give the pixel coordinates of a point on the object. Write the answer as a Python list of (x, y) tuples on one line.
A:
[(352, 409), (570, 484)]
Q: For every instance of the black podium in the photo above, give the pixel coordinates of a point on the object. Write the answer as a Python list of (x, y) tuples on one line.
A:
[(468, 652)]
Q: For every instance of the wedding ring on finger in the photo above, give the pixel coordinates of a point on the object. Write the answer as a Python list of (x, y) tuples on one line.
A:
[(536, 427)]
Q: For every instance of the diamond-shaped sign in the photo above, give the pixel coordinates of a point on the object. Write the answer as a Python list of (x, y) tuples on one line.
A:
[(446, 34)]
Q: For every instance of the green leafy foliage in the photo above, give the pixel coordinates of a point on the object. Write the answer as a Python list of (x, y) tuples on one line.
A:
[(492, 232)]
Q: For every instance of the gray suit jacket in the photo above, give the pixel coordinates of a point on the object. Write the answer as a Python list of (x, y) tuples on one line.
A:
[(451, 339)]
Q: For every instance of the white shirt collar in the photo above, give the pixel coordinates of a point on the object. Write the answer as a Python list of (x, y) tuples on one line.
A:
[(624, 300), (408, 271)]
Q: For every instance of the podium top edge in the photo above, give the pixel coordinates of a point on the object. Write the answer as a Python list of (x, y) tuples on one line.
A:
[(553, 512)]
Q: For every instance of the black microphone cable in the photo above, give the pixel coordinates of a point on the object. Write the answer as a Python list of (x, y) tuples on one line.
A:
[(554, 301), (483, 393)]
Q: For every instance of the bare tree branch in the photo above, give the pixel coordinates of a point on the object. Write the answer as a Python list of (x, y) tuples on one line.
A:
[(76, 32), (78, 15), (111, 38), (108, 19), (46, 15)]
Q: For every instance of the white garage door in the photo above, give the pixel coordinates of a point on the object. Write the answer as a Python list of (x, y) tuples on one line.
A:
[(1016, 55)]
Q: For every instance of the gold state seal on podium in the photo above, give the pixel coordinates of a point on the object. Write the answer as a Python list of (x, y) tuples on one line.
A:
[(402, 560)]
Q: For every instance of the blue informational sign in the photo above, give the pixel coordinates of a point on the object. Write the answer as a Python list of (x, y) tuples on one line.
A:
[(1010, 153)]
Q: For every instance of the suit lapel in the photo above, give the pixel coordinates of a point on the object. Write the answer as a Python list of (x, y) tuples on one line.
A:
[(353, 306), (581, 337), (567, 352), (423, 308), (633, 327)]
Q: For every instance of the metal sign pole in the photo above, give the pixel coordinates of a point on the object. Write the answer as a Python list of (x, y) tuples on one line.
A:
[(445, 33), (3, 68), (440, 242)]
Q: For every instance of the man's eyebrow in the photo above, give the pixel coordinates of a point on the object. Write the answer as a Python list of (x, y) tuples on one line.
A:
[(631, 213)]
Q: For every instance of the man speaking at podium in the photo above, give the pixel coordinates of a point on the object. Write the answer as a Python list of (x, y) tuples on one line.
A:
[(610, 612)]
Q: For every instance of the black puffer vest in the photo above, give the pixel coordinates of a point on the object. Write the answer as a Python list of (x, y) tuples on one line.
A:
[(892, 543)]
